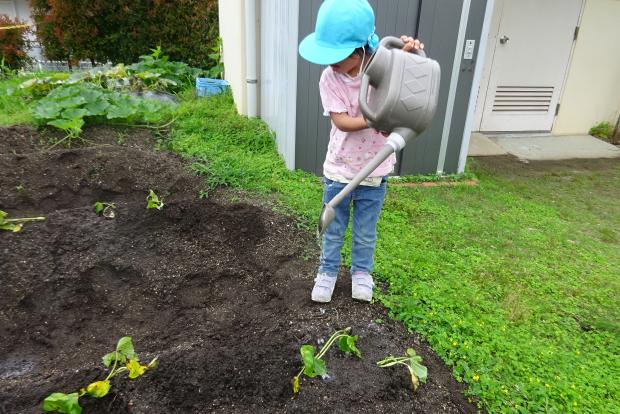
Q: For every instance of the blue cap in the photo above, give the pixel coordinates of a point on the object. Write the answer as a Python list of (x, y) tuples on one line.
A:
[(341, 27)]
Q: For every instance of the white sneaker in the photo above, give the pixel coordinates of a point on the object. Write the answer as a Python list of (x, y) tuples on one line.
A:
[(361, 286), (323, 288)]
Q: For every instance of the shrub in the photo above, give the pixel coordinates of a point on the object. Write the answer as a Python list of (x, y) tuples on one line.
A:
[(120, 31), (47, 29), (13, 43)]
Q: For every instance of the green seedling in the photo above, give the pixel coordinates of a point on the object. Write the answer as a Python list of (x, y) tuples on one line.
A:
[(15, 225), (314, 364), (121, 137), (105, 209), (413, 363), (152, 201), (123, 359)]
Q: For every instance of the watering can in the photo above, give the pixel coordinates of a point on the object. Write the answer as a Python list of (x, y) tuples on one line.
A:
[(402, 103)]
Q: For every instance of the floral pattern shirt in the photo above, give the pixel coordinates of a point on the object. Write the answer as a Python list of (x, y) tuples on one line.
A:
[(349, 152)]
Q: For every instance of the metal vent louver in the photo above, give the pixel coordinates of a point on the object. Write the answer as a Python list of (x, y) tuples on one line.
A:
[(522, 99)]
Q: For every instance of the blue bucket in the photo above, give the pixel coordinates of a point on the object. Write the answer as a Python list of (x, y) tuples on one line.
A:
[(208, 86)]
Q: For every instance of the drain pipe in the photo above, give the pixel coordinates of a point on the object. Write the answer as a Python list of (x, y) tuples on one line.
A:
[(615, 134), (250, 58)]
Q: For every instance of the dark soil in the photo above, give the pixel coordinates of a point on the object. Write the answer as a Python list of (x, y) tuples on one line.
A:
[(219, 290)]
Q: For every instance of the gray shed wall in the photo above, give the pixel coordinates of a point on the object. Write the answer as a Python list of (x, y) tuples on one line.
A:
[(439, 26), (437, 23)]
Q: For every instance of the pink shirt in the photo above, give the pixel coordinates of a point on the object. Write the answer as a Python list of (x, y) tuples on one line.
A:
[(348, 152)]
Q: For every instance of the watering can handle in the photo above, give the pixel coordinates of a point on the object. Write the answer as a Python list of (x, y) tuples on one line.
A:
[(368, 113), (392, 42)]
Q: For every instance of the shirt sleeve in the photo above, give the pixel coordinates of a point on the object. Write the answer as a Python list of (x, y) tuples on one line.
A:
[(331, 98)]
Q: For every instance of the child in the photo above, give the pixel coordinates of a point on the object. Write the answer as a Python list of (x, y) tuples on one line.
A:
[(344, 39)]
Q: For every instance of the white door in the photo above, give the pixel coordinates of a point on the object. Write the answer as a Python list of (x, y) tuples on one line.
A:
[(8, 7), (532, 47)]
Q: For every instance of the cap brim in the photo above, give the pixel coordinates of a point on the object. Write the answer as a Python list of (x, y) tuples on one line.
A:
[(312, 51)]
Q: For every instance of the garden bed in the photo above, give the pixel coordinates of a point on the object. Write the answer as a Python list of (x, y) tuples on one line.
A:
[(218, 289)]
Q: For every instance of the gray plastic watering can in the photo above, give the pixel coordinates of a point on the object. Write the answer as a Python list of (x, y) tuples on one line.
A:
[(402, 103)]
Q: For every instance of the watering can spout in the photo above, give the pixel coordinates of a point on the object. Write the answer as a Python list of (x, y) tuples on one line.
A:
[(327, 216)]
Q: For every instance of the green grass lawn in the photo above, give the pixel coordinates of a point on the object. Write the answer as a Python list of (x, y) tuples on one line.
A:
[(13, 110), (514, 282)]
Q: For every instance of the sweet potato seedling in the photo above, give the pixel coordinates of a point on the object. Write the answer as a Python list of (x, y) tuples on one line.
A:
[(413, 363), (314, 364), (152, 201), (16, 224), (105, 209), (123, 359)]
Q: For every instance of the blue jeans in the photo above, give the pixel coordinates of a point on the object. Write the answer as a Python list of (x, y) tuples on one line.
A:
[(367, 202)]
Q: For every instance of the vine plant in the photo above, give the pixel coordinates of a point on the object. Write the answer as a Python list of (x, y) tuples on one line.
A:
[(412, 361), (153, 201), (105, 209), (15, 224), (314, 364), (123, 359)]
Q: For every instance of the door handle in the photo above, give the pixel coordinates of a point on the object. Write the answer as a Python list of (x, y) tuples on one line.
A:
[(504, 39)]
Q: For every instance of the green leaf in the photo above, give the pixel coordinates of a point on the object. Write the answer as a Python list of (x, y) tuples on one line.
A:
[(46, 110), (91, 94), (98, 389), (152, 201), (72, 102), (312, 366), (120, 112), (149, 106), (64, 92), (108, 359), (4, 225), (307, 356), (97, 107), (125, 348), (72, 113), (62, 403), (124, 101), (319, 367), (98, 209), (347, 345), (61, 123), (413, 357), (152, 117), (135, 369), (11, 227), (73, 126), (420, 371)]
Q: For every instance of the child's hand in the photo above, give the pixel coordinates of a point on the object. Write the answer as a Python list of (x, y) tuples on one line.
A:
[(411, 43)]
